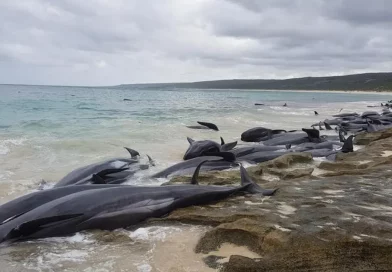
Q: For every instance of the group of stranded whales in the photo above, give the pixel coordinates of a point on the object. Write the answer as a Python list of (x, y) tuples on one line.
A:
[(65, 210), (369, 121), (93, 196)]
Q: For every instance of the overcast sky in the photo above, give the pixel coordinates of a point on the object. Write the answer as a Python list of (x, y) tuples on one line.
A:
[(107, 42)]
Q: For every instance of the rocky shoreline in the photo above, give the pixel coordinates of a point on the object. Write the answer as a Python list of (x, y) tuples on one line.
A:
[(326, 216)]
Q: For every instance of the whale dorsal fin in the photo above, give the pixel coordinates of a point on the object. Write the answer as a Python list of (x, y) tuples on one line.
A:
[(228, 146), (327, 126), (132, 152), (190, 140), (251, 186), (151, 161), (222, 141), (195, 175)]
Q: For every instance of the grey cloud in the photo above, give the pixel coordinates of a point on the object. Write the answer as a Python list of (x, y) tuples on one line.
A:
[(361, 12), (100, 42)]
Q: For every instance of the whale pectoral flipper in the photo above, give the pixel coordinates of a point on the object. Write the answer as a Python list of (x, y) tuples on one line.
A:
[(97, 179), (131, 214), (12, 218), (29, 228)]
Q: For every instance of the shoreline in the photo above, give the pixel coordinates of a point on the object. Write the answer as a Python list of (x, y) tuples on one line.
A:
[(295, 91)]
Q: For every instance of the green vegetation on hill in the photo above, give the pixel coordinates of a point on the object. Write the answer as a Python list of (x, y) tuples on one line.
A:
[(365, 82)]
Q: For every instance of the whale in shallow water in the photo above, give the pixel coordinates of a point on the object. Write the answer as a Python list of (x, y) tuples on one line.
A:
[(204, 125), (242, 151), (206, 147), (84, 175), (31, 201), (258, 134), (215, 162), (116, 207), (295, 138), (262, 156)]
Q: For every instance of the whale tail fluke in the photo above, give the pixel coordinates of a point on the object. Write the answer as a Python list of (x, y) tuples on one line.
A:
[(313, 134), (348, 145)]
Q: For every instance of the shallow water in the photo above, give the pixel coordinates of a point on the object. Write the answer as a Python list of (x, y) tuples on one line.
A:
[(45, 132)]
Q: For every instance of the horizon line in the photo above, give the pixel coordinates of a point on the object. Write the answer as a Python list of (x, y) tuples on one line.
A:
[(185, 82)]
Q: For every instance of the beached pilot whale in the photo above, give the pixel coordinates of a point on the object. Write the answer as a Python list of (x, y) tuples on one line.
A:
[(84, 175), (258, 134), (116, 207), (206, 147), (216, 161), (296, 138), (23, 204), (204, 125)]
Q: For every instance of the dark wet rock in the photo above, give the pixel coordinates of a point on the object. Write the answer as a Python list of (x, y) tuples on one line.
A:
[(243, 232), (367, 138), (208, 215), (238, 263), (311, 254), (210, 178), (291, 173), (287, 160), (313, 223), (111, 236), (212, 261)]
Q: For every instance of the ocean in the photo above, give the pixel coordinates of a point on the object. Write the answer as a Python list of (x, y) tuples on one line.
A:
[(45, 132)]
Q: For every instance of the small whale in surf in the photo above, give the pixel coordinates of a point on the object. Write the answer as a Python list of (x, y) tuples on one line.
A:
[(204, 125)]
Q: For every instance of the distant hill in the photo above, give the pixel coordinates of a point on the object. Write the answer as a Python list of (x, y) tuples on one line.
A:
[(368, 82)]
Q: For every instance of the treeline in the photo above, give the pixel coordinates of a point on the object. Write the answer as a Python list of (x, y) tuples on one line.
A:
[(369, 81)]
